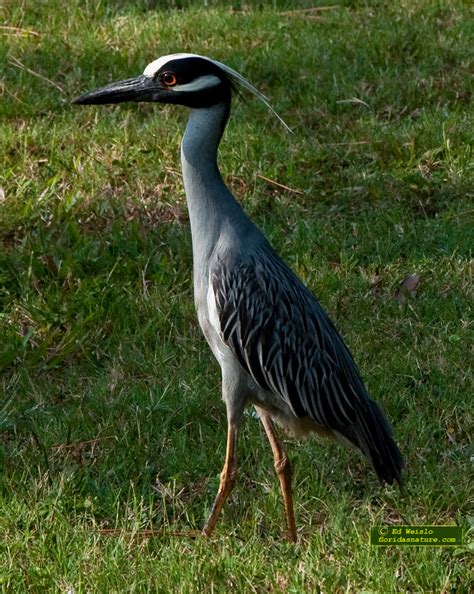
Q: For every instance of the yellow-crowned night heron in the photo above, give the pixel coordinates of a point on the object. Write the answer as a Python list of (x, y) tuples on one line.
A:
[(277, 348)]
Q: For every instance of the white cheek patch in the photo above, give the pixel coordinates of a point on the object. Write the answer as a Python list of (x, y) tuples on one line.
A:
[(198, 84)]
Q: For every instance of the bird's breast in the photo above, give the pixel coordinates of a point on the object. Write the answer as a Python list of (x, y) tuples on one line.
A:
[(210, 324)]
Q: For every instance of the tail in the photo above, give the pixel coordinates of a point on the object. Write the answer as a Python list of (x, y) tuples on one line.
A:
[(373, 435)]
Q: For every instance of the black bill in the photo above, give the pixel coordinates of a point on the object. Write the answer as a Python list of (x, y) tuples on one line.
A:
[(140, 88)]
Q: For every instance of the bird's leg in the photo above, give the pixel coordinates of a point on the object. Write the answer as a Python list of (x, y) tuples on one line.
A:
[(228, 478), (283, 468)]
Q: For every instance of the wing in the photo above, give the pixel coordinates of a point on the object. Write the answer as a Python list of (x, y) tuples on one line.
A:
[(284, 339)]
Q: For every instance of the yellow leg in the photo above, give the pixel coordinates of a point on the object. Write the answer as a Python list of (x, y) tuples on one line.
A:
[(283, 468), (228, 478)]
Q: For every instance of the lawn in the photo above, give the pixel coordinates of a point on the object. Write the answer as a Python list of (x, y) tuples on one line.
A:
[(112, 431)]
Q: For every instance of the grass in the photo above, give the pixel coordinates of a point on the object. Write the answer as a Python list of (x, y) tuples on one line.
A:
[(110, 416)]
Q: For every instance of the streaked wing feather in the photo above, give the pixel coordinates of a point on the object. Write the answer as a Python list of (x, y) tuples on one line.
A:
[(284, 340)]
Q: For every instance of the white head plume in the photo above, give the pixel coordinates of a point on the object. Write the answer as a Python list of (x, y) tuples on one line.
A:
[(155, 66)]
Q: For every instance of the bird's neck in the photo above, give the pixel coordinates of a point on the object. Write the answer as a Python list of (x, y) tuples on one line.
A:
[(203, 135), (212, 208)]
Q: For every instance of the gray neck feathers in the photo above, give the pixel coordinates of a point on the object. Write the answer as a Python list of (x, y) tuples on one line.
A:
[(213, 211)]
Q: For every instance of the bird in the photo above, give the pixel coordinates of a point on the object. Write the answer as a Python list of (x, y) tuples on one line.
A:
[(276, 346)]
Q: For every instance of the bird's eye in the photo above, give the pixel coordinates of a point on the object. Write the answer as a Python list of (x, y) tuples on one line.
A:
[(168, 79)]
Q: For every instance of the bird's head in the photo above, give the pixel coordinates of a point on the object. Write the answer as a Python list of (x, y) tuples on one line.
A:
[(184, 79)]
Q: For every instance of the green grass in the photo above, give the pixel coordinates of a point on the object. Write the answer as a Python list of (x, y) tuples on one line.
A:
[(110, 415)]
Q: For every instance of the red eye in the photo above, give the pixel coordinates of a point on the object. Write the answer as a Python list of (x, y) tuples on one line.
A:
[(168, 79)]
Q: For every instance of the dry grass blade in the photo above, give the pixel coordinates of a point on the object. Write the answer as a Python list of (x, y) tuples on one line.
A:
[(141, 534), (353, 100), (307, 11), (463, 213), (10, 30), (15, 62), (278, 185), (354, 143), (80, 444)]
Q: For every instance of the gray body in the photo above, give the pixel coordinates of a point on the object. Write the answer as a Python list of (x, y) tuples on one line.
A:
[(220, 231), (224, 241)]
